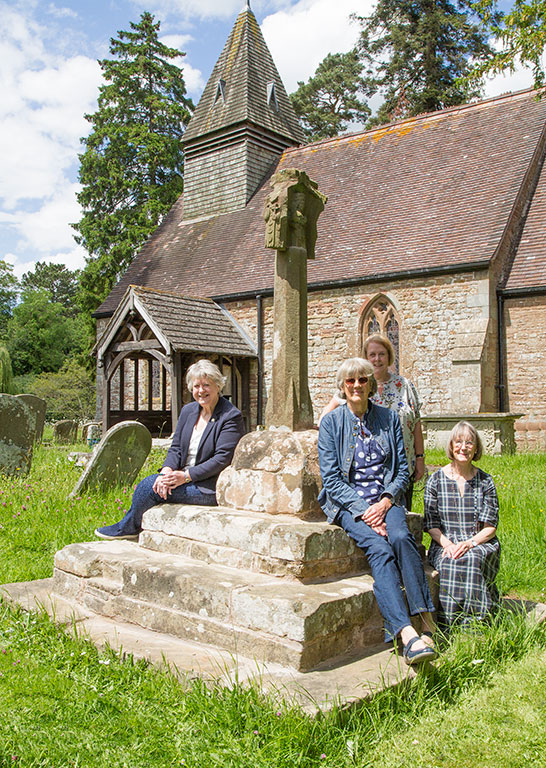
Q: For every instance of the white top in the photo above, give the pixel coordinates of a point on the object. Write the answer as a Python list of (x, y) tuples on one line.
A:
[(193, 447)]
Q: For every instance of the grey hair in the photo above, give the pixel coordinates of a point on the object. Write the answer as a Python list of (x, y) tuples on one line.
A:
[(204, 369), (464, 428), (355, 366)]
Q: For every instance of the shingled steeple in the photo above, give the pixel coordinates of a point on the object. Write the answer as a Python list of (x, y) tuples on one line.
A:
[(242, 123)]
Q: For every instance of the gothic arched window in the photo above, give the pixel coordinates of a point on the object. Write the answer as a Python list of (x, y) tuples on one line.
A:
[(380, 317)]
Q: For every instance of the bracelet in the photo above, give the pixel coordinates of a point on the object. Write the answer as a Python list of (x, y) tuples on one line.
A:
[(419, 455)]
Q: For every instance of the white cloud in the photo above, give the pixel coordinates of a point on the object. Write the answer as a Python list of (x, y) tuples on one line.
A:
[(45, 96), (300, 36), (521, 78), (202, 9)]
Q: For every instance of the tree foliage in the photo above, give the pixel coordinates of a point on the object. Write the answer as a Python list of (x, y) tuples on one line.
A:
[(522, 33), (331, 98), (69, 392), (416, 51), (60, 283), (8, 293), (40, 335), (6, 372), (131, 169)]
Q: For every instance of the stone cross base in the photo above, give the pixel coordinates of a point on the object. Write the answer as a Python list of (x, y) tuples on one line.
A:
[(274, 471), (274, 589)]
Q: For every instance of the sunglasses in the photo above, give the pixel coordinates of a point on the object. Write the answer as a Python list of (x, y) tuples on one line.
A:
[(361, 380)]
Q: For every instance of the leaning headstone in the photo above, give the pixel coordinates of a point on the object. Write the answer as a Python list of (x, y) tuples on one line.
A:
[(17, 430), (117, 459), (65, 431), (38, 406)]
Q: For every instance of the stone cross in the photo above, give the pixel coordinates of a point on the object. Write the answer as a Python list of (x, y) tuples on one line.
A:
[(291, 213)]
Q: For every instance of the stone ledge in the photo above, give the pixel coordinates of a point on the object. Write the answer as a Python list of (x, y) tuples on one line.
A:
[(279, 545)]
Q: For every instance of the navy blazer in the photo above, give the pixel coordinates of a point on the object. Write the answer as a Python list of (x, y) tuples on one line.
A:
[(218, 442)]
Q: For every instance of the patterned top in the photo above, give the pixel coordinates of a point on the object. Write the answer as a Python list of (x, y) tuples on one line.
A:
[(367, 472), (400, 395), (467, 584)]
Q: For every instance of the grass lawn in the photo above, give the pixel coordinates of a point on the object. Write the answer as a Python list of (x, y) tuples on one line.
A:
[(62, 703)]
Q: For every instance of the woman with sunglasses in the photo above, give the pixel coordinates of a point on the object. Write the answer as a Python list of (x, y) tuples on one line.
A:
[(399, 394), (461, 516), (364, 474)]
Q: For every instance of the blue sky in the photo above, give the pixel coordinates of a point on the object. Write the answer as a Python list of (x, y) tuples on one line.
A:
[(49, 77)]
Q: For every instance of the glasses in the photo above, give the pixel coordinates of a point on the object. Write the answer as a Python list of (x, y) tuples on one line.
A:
[(460, 443), (361, 380)]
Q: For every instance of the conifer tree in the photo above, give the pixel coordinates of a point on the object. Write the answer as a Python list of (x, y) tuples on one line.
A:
[(416, 51), (330, 99), (131, 169)]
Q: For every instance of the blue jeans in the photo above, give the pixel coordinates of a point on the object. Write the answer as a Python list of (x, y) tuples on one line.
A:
[(145, 498), (394, 561)]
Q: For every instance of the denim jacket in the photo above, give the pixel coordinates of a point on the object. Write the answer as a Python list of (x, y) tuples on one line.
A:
[(336, 446)]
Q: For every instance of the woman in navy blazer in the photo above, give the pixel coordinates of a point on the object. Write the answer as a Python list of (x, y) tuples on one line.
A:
[(204, 441)]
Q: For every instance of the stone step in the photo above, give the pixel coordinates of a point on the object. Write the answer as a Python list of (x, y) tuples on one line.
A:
[(278, 620), (280, 545)]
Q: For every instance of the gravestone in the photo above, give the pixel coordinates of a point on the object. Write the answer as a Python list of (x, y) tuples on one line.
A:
[(117, 459), (17, 430), (65, 431), (38, 406)]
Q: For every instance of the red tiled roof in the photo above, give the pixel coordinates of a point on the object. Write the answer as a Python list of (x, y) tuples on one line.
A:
[(529, 267), (430, 192)]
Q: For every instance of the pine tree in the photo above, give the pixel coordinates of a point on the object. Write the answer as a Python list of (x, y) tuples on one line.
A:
[(131, 170), (330, 99), (416, 51)]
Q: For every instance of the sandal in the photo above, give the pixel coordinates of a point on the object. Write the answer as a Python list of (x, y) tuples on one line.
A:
[(418, 656)]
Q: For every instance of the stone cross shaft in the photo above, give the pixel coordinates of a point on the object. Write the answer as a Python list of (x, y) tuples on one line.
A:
[(291, 213)]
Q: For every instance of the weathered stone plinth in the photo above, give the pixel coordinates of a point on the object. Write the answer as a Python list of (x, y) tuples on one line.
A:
[(275, 589), (274, 471), (496, 430)]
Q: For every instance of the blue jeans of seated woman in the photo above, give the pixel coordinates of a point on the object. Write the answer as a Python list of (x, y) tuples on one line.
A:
[(145, 498), (395, 561)]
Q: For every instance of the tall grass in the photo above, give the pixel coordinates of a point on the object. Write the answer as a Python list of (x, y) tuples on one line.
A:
[(64, 703), (37, 517)]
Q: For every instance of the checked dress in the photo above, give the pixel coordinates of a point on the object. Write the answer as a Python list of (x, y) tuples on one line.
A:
[(467, 584)]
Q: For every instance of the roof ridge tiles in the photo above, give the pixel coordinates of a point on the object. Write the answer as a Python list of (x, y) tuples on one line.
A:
[(437, 115)]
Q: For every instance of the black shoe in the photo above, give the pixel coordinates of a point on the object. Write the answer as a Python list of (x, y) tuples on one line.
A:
[(112, 533)]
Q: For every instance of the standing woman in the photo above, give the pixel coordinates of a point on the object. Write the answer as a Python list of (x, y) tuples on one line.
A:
[(364, 473), (204, 441), (461, 516), (398, 394)]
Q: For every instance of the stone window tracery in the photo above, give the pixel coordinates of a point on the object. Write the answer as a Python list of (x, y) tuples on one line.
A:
[(381, 317)]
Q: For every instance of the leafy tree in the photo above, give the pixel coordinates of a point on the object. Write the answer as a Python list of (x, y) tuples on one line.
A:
[(69, 392), (6, 373), (522, 33), (131, 170), (40, 336), (8, 293), (60, 283), (330, 100), (416, 52)]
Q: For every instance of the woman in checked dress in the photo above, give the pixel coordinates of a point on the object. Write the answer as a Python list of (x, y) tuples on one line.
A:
[(461, 516)]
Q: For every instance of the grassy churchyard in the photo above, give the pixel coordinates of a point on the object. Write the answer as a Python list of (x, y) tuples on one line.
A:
[(63, 703)]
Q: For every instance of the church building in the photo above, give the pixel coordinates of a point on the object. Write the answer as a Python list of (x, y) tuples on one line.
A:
[(433, 233)]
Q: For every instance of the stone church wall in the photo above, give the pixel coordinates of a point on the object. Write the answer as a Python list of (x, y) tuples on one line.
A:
[(444, 335), (525, 323)]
